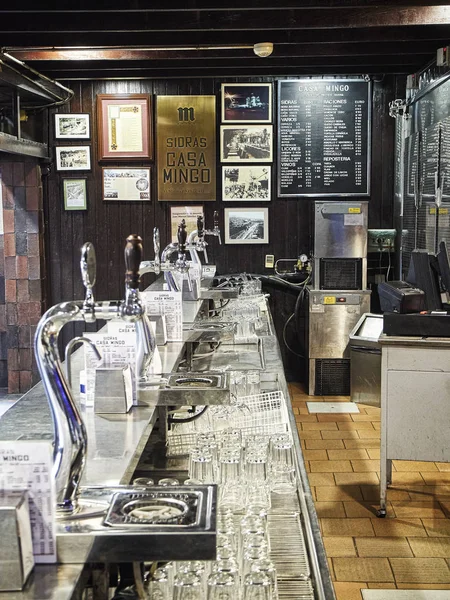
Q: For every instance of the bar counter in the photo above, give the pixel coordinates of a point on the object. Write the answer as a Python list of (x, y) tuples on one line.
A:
[(115, 445)]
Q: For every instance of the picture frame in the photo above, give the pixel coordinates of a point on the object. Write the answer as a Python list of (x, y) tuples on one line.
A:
[(73, 158), (246, 183), (247, 225), (189, 214), (124, 127), (246, 102), (126, 184), (75, 194), (246, 143), (71, 126)]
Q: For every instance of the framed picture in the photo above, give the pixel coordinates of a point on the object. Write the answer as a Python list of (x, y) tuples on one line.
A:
[(73, 158), (74, 192), (189, 214), (246, 143), (124, 127), (246, 226), (247, 102), (126, 183), (246, 183), (72, 126)]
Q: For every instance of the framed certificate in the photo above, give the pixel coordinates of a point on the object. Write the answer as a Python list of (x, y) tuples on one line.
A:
[(126, 183), (124, 127)]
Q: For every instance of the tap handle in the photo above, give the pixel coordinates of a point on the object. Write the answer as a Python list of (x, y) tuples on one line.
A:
[(88, 265), (156, 247), (216, 219), (182, 235), (200, 227), (133, 258)]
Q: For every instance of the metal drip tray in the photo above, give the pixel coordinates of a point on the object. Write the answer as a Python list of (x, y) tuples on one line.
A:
[(151, 509), (188, 389), (210, 331)]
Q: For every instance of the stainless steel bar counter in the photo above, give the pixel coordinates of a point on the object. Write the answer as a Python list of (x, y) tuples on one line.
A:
[(116, 443)]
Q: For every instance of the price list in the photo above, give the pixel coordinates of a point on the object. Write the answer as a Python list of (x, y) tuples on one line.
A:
[(323, 137)]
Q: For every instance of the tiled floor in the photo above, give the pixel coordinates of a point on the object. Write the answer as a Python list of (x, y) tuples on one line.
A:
[(410, 548)]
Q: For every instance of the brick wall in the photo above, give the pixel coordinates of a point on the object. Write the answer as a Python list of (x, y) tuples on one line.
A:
[(22, 250)]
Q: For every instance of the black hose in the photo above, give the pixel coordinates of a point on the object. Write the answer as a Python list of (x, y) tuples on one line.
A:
[(173, 421)]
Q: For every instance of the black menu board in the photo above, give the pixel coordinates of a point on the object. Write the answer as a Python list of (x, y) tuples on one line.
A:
[(323, 137)]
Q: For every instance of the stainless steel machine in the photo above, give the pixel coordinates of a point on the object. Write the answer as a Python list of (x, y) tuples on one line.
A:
[(338, 296)]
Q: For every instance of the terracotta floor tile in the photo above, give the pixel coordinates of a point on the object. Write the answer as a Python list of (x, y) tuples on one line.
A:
[(348, 590), (331, 569), (315, 455), (363, 443), (339, 546), (441, 493), (319, 479), (356, 453), (330, 466), (443, 466), (383, 585), (337, 398), (365, 465), (425, 510), (356, 426), (430, 547), (437, 478), (363, 569), (374, 453), (356, 478), (324, 445), (398, 527), (371, 493), (436, 527), (335, 417), (422, 586), (336, 494), (359, 510), (419, 570), (376, 425), (365, 417), (368, 433), (319, 427), (444, 501), (330, 510), (375, 410), (414, 465), (347, 527), (306, 418), (308, 435), (383, 547), (407, 478), (339, 435)]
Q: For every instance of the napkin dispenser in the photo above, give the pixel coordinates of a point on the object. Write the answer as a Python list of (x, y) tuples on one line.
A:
[(16, 548)]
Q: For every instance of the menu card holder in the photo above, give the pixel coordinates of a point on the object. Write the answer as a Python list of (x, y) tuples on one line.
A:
[(113, 391)]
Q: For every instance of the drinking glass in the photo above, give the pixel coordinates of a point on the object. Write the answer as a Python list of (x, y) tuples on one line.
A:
[(257, 586), (201, 466), (282, 468), (255, 466), (159, 587), (253, 382), (222, 585), (238, 384), (187, 586), (168, 481), (143, 481), (265, 565), (257, 496)]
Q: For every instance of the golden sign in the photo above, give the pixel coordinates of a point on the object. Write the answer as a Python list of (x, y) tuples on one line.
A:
[(186, 148)]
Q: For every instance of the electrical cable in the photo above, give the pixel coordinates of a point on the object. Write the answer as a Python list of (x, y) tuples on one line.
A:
[(284, 337), (173, 421), (295, 314), (389, 267)]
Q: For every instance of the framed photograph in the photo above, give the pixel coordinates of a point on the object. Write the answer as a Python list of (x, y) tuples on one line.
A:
[(124, 127), (246, 226), (246, 183), (72, 127), (73, 158), (74, 192), (246, 143), (247, 102), (126, 183), (189, 214)]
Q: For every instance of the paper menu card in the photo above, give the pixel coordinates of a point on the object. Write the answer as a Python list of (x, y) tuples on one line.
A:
[(169, 304), (27, 465)]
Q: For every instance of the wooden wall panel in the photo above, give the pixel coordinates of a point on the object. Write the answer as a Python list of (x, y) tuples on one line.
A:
[(107, 224)]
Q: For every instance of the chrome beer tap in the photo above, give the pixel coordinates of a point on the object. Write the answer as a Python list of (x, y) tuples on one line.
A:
[(70, 440), (216, 231), (181, 264), (153, 266)]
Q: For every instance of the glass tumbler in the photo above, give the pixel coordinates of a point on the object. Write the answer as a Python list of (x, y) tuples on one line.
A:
[(257, 586), (265, 565), (201, 465), (187, 586), (253, 382), (222, 585), (160, 587), (282, 469)]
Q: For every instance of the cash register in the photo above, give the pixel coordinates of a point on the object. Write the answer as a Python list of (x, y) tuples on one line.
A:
[(420, 305)]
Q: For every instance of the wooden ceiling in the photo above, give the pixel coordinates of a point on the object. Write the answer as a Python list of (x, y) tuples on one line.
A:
[(200, 38)]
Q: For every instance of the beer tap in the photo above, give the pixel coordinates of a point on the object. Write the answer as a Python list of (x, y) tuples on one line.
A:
[(181, 262), (70, 439), (153, 266), (196, 242), (216, 230)]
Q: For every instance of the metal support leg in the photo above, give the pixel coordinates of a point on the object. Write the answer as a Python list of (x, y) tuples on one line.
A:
[(100, 582)]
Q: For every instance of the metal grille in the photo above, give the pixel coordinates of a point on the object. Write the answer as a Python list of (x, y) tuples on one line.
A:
[(409, 203), (332, 377), (340, 273)]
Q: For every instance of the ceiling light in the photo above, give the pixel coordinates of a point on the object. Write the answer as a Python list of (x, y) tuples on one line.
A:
[(263, 49)]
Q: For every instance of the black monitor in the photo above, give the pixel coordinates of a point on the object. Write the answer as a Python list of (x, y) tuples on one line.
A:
[(424, 273), (444, 267)]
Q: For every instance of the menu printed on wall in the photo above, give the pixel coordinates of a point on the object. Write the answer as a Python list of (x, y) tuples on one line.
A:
[(323, 137), (27, 465)]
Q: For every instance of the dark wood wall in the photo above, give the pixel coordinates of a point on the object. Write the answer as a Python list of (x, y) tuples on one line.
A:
[(107, 224)]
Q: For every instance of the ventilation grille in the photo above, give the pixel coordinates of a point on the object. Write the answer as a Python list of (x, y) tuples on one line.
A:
[(332, 377), (340, 273)]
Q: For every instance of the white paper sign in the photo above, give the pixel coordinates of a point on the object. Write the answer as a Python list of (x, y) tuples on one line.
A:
[(354, 219), (169, 304), (27, 465)]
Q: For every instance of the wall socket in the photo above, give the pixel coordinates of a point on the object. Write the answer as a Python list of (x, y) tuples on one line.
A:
[(270, 261), (380, 240)]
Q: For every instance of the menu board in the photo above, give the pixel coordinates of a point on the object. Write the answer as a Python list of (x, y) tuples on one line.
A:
[(324, 137)]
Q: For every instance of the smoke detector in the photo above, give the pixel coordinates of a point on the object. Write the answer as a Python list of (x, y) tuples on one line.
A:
[(263, 49)]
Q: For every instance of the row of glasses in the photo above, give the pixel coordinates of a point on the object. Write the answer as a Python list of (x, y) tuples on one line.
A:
[(245, 383)]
